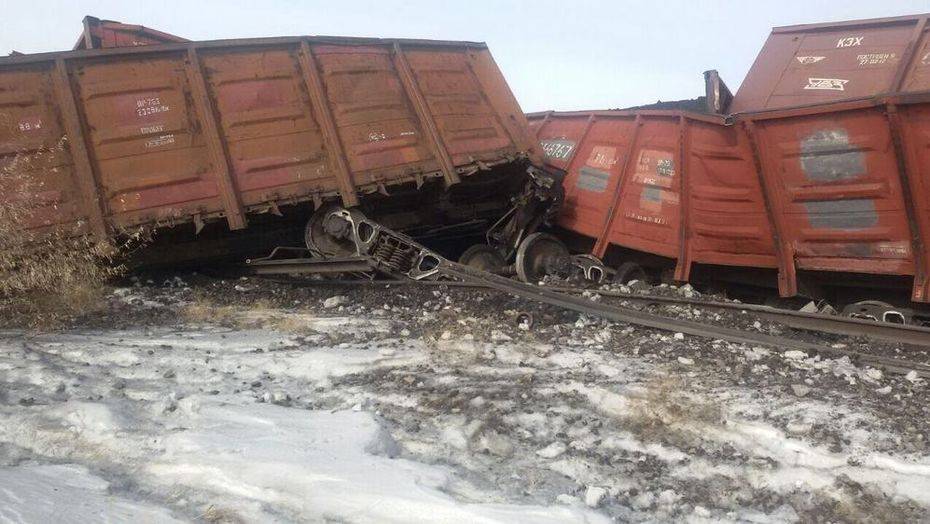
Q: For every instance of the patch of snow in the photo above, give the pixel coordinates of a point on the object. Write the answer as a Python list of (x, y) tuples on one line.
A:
[(68, 493)]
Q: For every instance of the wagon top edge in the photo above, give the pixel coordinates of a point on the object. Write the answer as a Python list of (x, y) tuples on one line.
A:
[(917, 97), (847, 24), (236, 42)]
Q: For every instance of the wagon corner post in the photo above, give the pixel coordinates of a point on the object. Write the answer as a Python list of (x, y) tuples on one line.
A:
[(219, 155), (77, 144), (336, 156), (784, 253), (421, 108)]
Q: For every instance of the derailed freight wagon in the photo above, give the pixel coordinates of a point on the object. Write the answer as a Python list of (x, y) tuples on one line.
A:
[(832, 199), (228, 135)]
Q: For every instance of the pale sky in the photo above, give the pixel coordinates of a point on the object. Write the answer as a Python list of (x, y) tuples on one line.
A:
[(560, 55)]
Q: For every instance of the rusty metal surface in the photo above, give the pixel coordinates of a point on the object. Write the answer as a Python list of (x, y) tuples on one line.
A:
[(816, 63), (189, 132), (100, 34), (832, 188)]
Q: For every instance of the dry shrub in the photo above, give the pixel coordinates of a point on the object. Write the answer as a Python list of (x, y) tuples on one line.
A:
[(55, 272), (202, 309)]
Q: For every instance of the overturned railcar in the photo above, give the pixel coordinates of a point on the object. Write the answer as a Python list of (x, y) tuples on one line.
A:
[(827, 199), (242, 139)]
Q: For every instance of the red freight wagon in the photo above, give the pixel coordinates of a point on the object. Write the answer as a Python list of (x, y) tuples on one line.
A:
[(832, 194), (838, 188), (644, 180), (424, 132)]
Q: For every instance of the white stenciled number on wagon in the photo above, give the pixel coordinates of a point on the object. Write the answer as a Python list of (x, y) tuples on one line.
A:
[(151, 105), (849, 41)]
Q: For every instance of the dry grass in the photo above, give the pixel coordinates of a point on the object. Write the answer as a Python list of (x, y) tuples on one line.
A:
[(215, 515), (261, 313), (203, 310), (49, 273), (666, 405)]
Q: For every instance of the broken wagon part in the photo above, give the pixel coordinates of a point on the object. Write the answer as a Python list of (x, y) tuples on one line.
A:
[(717, 95), (106, 34), (591, 269), (878, 311), (817, 63), (537, 205), (199, 132), (398, 255)]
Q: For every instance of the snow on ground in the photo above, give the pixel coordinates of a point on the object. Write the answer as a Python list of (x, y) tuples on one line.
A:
[(67, 493), (431, 411)]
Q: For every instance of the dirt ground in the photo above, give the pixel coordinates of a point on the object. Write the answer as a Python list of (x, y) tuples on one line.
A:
[(565, 412)]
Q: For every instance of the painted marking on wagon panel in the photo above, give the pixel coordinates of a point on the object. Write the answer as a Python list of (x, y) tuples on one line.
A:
[(895, 249), (857, 213), (148, 130), (602, 157), (591, 179), (151, 105), (652, 194), (849, 41), (160, 141), (655, 171), (828, 84), (827, 156), (808, 60), (30, 123), (648, 219), (558, 149), (876, 58)]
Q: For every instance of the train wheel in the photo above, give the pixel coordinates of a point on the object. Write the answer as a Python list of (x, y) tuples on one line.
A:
[(327, 239), (541, 254), (628, 272), (483, 257)]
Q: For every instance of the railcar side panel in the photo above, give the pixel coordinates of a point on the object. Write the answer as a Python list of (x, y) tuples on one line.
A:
[(463, 114), (275, 144), (147, 145), (594, 173), (838, 192), (35, 157), (377, 125), (647, 204), (727, 221)]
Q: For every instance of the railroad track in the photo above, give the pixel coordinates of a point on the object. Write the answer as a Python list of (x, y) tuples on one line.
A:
[(566, 297), (394, 254), (816, 322)]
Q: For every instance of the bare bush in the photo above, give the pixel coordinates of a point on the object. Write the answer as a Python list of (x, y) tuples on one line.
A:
[(49, 272)]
